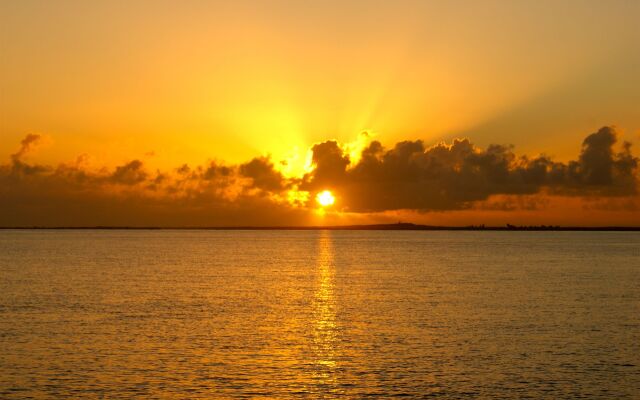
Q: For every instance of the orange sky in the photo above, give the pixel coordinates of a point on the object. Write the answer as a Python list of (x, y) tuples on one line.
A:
[(173, 83)]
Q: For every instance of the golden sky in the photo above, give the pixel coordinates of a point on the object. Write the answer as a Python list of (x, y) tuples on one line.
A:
[(172, 83)]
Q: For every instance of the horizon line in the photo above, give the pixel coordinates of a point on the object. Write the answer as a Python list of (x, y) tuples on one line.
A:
[(400, 226)]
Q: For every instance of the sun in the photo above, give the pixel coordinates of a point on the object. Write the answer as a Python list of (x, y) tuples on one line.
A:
[(325, 198)]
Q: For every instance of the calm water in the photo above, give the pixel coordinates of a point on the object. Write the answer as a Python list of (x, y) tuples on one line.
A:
[(319, 314)]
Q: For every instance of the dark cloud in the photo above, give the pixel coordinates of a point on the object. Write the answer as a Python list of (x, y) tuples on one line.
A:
[(453, 176), (599, 170), (263, 174), (18, 167), (408, 176), (596, 160), (26, 145), (183, 170), (214, 171), (330, 163), (129, 173), (131, 195)]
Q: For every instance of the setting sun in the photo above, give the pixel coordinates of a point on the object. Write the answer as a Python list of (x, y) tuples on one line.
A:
[(325, 198)]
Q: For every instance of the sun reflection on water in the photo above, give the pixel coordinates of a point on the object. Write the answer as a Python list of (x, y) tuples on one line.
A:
[(324, 309)]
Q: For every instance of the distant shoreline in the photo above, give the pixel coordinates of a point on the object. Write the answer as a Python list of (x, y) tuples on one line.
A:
[(373, 227)]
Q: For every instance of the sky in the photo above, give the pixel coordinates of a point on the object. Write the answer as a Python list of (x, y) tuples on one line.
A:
[(203, 113)]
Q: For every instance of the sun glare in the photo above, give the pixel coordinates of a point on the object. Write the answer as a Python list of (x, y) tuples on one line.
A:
[(325, 198)]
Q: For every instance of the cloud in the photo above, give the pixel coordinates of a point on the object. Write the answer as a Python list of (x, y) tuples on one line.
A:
[(130, 194), (263, 174), (129, 173), (26, 145), (453, 176), (408, 176)]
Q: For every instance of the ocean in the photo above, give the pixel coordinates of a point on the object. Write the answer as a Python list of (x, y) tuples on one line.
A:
[(319, 314)]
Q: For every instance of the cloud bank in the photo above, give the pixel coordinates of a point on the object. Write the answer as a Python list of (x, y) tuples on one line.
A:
[(453, 176), (409, 176)]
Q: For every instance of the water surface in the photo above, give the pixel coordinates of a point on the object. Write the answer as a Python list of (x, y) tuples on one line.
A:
[(319, 314)]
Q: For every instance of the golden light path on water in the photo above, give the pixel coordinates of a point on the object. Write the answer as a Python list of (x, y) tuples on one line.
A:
[(325, 329)]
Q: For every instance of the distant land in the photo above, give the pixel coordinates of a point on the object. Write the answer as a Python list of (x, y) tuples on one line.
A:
[(400, 226)]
